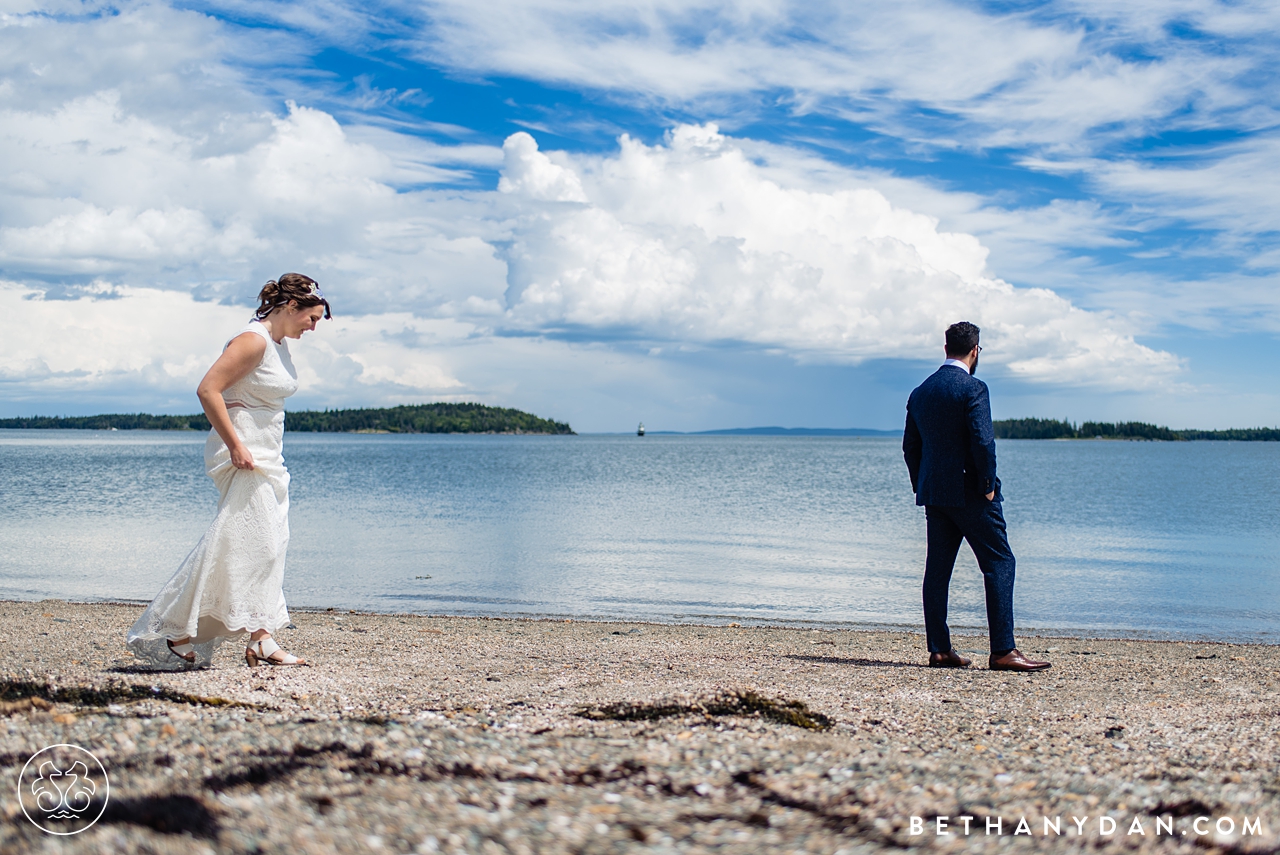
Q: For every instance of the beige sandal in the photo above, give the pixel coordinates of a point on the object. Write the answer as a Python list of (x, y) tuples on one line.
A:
[(184, 651), (266, 650)]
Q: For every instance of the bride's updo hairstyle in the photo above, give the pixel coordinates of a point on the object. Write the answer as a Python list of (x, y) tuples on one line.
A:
[(291, 288)]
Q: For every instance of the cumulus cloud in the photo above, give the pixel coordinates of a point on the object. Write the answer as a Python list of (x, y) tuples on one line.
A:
[(692, 241)]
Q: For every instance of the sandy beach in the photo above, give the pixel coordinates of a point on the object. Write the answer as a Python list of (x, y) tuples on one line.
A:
[(425, 734)]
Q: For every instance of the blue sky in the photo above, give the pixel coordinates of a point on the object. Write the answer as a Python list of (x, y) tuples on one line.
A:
[(693, 213)]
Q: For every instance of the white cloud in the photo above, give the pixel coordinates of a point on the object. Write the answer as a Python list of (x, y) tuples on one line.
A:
[(118, 336), (692, 241), (1233, 187), (535, 176), (1063, 244), (95, 189), (1066, 76), (1071, 76), (164, 341), (93, 240), (164, 215)]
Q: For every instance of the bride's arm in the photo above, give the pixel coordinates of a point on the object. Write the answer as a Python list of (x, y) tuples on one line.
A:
[(241, 356)]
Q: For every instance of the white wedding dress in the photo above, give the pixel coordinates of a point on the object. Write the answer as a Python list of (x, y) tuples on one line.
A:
[(232, 582)]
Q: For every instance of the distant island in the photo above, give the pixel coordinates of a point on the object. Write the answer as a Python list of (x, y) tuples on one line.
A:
[(1055, 429), (1024, 429), (420, 418)]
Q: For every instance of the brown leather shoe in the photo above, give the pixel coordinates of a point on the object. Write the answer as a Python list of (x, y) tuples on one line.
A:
[(950, 659), (1015, 661)]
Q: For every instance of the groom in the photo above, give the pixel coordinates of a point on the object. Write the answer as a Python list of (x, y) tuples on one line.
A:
[(950, 449)]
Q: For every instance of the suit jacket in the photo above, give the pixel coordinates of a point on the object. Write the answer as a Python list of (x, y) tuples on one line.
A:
[(949, 444)]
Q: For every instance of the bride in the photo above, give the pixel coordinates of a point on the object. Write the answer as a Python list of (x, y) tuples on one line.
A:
[(231, 583)]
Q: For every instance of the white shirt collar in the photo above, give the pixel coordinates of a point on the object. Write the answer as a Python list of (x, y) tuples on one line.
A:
[(958, 364)]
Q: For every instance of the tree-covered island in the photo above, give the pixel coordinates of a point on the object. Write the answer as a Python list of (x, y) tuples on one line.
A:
[(419, 418), (1055, 429)]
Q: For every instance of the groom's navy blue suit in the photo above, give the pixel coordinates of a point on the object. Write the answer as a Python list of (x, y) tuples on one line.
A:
[(950, 450)]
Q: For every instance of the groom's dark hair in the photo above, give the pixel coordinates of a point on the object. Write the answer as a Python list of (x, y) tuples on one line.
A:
[(961, 338)]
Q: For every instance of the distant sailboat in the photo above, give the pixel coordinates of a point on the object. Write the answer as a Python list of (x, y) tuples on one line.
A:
[(640, 430)]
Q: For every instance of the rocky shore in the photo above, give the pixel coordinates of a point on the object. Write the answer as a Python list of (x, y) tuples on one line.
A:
[(427, 734)]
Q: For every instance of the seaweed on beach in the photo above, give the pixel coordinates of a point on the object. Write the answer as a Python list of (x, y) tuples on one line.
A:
[(746, 704), (112, 693)]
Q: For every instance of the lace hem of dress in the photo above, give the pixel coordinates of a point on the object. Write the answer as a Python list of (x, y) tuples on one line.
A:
[(151, 651)]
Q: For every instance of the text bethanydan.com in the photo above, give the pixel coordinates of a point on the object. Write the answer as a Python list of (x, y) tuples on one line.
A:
[(1105, 826)]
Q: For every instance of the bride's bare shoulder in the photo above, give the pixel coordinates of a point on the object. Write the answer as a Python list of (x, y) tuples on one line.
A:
[(248, 342), (246, 349)]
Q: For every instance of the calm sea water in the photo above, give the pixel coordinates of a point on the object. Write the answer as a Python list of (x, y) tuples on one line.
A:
[(1146, 539)]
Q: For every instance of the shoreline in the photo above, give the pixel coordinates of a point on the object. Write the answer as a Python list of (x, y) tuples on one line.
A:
[(965, 631), (424, 734)]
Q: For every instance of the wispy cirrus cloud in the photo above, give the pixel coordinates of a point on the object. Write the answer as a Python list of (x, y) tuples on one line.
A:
[(1231, 187), (1068, 76), (1063, 76)]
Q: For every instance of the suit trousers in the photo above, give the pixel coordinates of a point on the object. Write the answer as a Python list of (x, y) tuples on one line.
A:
[(981, 523)]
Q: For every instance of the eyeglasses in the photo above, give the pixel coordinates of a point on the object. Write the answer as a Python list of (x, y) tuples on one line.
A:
[(978, 346)]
